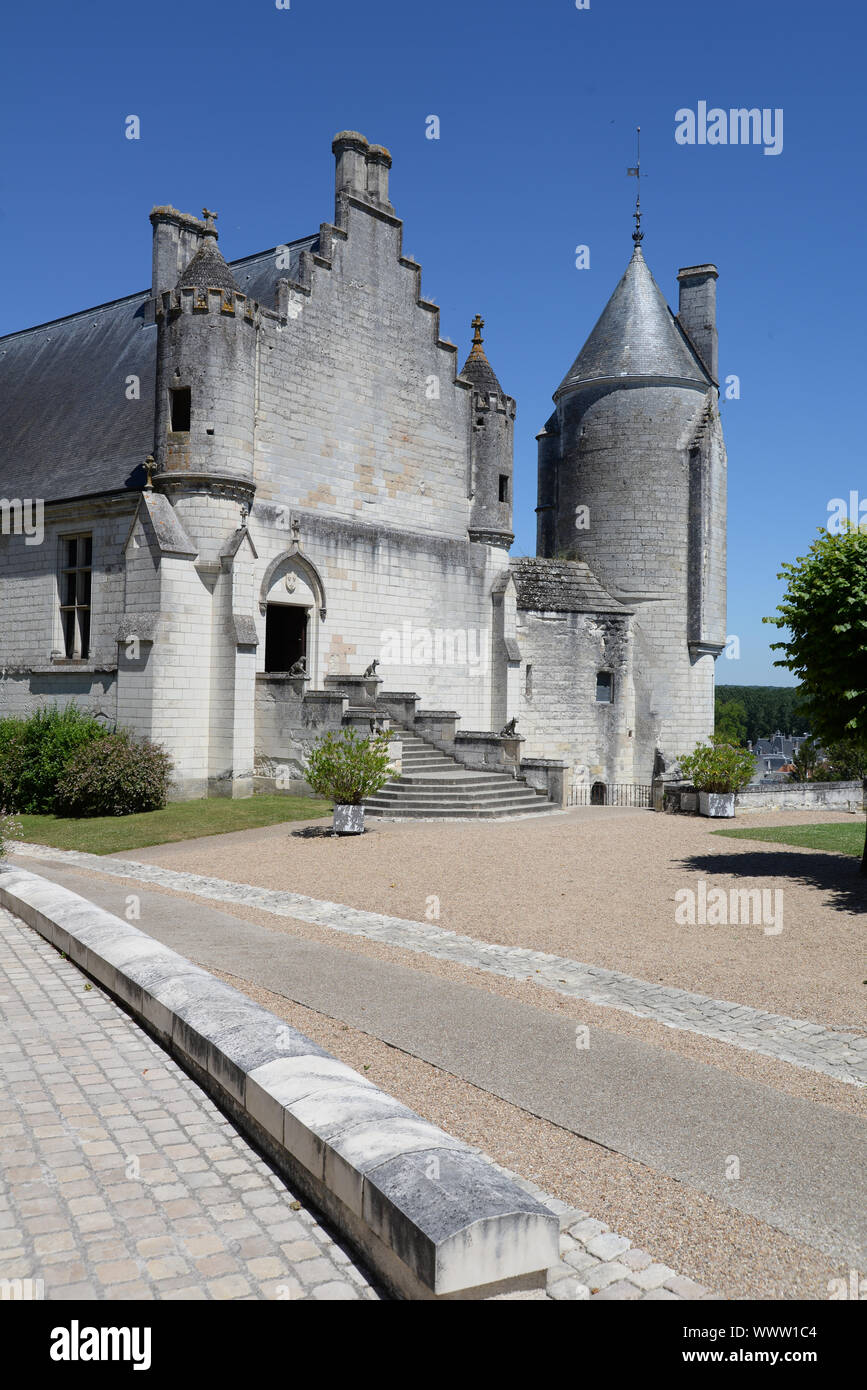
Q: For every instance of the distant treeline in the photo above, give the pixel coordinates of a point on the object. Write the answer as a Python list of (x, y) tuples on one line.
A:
[(767, 708)]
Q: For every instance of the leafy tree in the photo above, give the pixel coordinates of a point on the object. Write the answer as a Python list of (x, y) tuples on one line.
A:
[(847, 760), (807, 761), (768, 708), (730, 721), (824, 610)]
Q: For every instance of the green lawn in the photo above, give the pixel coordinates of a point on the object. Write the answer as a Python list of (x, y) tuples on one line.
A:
[(182, 820), (843, 837)]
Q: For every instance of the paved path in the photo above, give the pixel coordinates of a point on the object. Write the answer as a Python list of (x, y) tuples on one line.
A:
[(120, 1179), (797, 1041), (682, 1118)]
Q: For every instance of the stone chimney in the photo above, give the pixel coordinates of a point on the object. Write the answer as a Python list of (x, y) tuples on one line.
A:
[(350, 175), (696, 312), (361, 171), (177, 238), (378, 165)]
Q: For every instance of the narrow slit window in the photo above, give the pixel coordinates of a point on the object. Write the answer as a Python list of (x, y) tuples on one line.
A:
[(604, 688), (181, 404), (75, 584), (504, 487)]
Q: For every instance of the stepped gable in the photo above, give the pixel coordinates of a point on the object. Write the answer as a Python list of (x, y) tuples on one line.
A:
[(561, 586)]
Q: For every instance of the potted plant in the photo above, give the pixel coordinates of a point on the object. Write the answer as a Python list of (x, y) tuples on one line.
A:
[(348, 768), (717, 771)]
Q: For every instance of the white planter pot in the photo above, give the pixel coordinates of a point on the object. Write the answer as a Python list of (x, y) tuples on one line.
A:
[(348, 820), (716, 803)]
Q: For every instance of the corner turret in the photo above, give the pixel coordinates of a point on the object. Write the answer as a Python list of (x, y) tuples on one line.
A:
[(205, 398), (492, 448)]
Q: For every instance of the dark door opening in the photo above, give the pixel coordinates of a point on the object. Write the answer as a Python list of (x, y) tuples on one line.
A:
[(598, 794), (285, 636)]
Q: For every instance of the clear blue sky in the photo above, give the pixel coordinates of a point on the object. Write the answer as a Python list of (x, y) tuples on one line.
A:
[(538, 103)]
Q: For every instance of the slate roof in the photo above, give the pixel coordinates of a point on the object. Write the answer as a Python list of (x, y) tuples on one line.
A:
[(636, 335), (207, 270), (561, 586), (478, 369), (66, 426)]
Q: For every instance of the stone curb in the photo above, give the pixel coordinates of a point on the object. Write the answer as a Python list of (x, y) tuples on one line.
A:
[(431, 1216)]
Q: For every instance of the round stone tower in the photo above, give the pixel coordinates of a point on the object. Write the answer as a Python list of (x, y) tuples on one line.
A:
[(205, 398), (632, 482)]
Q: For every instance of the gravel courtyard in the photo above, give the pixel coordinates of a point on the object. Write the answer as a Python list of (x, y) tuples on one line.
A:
[(596, 884)]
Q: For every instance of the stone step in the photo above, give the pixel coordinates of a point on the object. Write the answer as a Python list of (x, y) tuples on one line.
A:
[(481, 799), (435, 786), (435, 811), (412, 783), (452, 778)]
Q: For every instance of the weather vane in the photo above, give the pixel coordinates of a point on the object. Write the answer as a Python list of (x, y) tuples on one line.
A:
[(637, 235)]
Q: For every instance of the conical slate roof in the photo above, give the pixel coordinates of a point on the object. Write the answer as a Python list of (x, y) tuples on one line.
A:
[(636, 336), (207, 269), (477, 368)]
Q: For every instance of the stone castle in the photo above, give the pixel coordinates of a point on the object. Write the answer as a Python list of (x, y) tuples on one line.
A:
[(260, 478)]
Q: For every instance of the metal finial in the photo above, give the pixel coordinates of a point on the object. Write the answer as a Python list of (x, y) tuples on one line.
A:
[(637, 235)]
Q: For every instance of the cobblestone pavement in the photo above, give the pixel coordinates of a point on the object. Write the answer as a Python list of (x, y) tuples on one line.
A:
[(803, 1044), (119, 1178), (597, 1263)]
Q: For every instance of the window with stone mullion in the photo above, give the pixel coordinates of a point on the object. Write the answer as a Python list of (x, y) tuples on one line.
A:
[(75, 594)]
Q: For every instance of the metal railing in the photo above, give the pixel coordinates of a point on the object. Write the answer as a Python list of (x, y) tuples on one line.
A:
[(610, 794)]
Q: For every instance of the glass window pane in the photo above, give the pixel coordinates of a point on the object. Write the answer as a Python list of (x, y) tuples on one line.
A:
[(69, 633), (84, 622), (68, 589), (86, 547), (84, 587), (603, 687)]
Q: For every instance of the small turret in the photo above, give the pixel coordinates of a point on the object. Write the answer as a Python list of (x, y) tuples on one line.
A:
[(492, 448), (205, 399)]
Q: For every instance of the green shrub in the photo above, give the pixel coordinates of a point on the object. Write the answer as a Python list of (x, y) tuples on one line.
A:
[(348, 768), (717, 767), (36, 751), (115, 776)]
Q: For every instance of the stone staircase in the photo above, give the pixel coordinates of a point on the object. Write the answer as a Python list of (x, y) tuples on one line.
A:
[(434, 786)]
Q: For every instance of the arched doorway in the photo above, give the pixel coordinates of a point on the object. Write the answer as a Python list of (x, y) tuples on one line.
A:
[(292, 600), (598, 794)]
